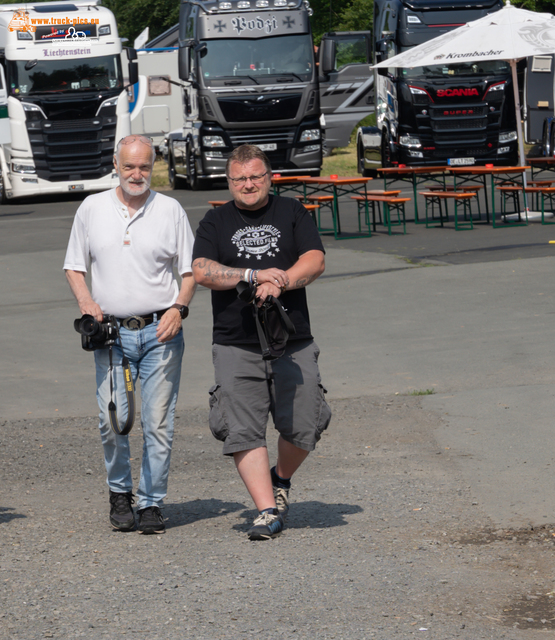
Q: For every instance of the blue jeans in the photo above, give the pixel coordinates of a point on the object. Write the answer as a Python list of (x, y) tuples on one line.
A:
[(158, 368)]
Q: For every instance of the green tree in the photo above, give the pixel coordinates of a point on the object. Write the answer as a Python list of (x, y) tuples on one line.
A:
[(133, 16), (326, 17), (357, 16)]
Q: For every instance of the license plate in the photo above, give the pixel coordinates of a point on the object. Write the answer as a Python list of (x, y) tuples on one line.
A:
[(76, 187), (267, 147), (460, 161)]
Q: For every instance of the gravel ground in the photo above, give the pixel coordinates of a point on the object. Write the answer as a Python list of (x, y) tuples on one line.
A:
[(384, 540)]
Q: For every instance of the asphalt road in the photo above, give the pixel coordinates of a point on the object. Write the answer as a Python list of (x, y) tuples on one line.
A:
[(430, 514)]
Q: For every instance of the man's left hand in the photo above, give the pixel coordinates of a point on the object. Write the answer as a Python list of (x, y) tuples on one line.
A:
[(264, 290), (169, 325)]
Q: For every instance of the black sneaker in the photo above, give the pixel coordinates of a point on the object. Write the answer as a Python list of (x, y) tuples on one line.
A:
[(151, 520), (121, 511), (266, 525)]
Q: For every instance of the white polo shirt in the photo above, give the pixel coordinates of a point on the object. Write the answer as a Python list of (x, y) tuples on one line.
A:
[(131, 260)]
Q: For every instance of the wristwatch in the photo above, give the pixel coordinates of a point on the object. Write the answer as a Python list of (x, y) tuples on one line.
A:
[(183, 310)]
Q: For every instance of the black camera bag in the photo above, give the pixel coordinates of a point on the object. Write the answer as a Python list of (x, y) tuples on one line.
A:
[(273, 324)]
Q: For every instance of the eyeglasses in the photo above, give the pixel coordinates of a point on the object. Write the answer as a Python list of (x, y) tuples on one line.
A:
[(131, 139), (243, 180)]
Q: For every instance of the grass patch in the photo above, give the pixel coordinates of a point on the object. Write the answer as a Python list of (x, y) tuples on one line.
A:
[(342, 161), (422, 392), (160, 174)]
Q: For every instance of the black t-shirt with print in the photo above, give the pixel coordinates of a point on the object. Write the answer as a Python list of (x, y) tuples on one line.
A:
[(274, 236)]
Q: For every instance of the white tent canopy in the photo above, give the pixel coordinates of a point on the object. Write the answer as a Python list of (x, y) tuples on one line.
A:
[(508, 34)]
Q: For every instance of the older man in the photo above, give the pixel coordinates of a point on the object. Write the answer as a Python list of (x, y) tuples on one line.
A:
[(273, 242), (132, 239)]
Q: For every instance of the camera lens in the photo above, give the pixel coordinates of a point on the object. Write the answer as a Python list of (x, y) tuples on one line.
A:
[(88, 325)]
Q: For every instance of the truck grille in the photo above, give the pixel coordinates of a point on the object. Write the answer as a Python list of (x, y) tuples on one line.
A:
[(70, 150), (459, 123), (282, 137), (259, 108)]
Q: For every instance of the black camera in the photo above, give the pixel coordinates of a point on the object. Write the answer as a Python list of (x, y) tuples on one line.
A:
[(246, 292), (96, 335)]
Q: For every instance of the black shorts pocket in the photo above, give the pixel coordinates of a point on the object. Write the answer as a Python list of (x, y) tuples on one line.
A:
[(324, 412), (216, 421)]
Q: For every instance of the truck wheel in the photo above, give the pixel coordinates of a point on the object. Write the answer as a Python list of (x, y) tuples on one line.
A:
[(192, 176), (386, 149), (173, 179), (365, 173), (3, 197)]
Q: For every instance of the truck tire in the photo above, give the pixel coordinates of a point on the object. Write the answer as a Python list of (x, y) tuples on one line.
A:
[(3, 197), (386, 149), (192, 176), (173, 178), (365, 173)]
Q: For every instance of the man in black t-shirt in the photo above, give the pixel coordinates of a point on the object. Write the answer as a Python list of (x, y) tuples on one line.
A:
[(272, 242)]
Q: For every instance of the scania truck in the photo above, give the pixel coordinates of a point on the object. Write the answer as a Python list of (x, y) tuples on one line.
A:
[(449, 113), (66, 101), (250, 77)]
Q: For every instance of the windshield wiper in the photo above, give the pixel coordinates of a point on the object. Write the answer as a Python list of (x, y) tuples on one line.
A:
[(288, 73)]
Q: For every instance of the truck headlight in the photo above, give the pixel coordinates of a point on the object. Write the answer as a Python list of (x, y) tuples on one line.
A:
[(33, 112), (310, 148), (19, 167), (508, 136), (410, 141), (104, 30), (213, 141), (111, 102), (310, 134)]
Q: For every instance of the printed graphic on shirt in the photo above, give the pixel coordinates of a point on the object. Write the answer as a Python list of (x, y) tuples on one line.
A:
[(256, 241)]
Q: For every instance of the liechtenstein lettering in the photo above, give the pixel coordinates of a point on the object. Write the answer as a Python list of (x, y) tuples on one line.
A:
[(268, 25)]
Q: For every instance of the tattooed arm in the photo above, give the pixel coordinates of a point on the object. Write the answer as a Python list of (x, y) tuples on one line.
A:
[(308, 267), (214, 275)]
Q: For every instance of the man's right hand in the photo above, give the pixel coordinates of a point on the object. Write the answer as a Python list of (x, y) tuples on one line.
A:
[(274, 276), (92, 309)]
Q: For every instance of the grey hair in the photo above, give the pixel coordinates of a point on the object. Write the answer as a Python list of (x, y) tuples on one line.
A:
[(144, 140)]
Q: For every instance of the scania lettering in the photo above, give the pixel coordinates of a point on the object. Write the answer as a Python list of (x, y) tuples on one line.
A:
[(66, 101), (454, 112), (250, 77)]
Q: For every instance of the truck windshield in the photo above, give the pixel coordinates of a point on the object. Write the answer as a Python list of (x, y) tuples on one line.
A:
[(487, 68), (61, 76), (258, 59)]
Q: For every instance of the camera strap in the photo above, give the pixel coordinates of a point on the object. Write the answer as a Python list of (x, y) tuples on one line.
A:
[(129, 392)]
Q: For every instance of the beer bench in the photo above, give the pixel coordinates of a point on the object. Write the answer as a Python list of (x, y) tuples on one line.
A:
[(217, 203), (321, 201), (391, 205), (464, 189), (433, 198)]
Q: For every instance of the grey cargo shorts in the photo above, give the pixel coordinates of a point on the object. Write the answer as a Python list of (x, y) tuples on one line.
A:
[(248, 388)]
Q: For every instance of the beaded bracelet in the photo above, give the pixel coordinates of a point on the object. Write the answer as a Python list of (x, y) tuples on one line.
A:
[(255, 277)]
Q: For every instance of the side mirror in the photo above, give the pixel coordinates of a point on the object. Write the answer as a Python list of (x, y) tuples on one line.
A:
[(183, 63), (327, 56), (131, 53), (133, 73)]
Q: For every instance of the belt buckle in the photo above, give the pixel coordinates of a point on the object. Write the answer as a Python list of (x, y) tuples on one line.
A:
[(134, 323)]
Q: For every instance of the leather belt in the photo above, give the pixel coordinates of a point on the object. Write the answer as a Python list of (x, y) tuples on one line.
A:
[(134, 323)]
